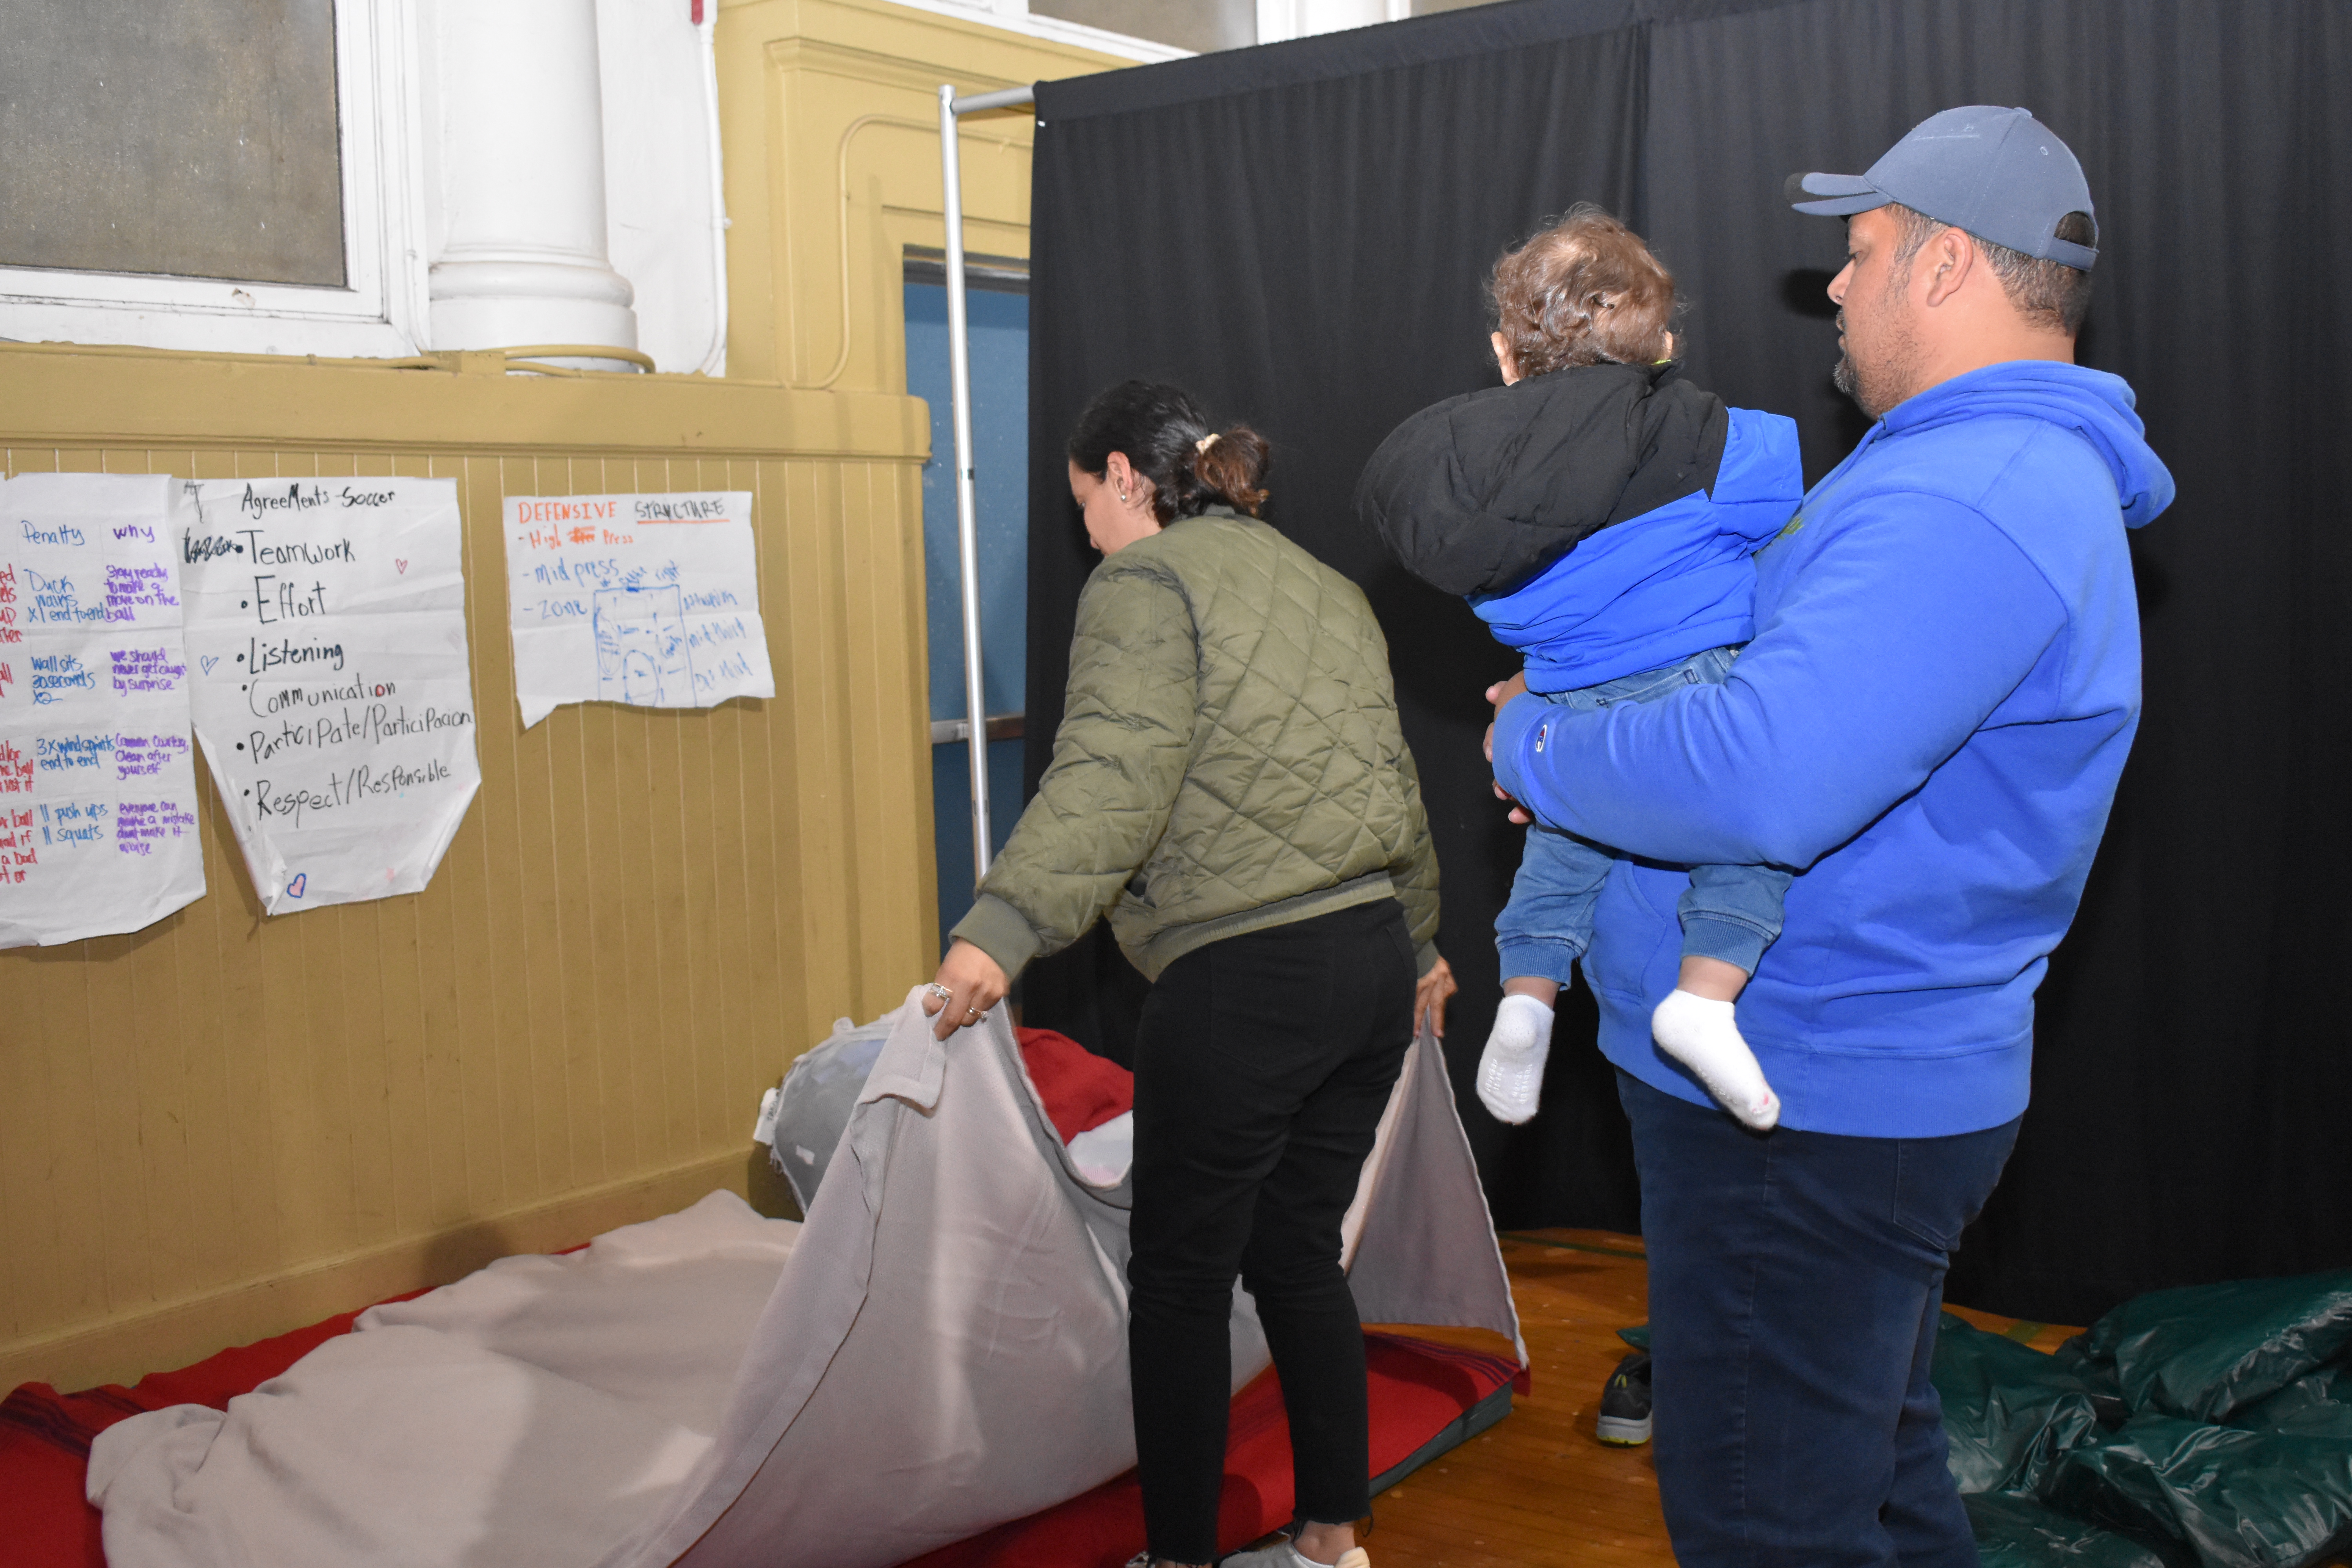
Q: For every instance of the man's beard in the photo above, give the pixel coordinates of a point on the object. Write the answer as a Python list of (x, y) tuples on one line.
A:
[(1888, 380)]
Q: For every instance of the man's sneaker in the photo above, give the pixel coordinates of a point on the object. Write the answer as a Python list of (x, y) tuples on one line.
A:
[(1626, 1403)]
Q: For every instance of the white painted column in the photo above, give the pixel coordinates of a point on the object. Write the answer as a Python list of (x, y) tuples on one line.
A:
[(517, 114), (1280, 19)]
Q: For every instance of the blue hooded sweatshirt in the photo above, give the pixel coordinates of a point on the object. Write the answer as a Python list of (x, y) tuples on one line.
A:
[(1928, 724)]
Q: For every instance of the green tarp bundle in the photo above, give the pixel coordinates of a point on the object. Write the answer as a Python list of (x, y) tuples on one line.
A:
[(2014, 1532), (2206, 1426), (2207, 1351)]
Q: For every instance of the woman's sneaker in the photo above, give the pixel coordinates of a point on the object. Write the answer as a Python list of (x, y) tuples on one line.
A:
[(1626, 1403), (1283, 1554)]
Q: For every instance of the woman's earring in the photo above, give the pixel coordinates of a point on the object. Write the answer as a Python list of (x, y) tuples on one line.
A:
[(1122, 498)]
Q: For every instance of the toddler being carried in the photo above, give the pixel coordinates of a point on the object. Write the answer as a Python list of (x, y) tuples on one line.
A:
[(1600, 513)]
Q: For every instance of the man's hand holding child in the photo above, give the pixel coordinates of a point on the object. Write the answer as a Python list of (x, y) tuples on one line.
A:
[(1500, 695)]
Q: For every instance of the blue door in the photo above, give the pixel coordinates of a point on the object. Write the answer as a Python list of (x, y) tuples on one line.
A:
[(997, 308)]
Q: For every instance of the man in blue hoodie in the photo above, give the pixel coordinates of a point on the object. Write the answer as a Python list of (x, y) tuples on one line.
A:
[(1928, 725)]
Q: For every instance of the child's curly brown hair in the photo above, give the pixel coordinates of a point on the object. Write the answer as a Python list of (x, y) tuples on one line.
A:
[(1583, 290)]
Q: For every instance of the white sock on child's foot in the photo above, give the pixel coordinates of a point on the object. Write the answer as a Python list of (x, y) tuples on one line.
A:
[(1704, 1036), (1510, 1073)]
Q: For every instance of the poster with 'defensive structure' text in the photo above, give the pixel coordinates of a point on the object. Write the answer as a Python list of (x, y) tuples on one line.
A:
[(649, 600), (332, 691)]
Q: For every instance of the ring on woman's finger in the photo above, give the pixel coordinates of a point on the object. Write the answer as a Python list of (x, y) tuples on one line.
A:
[(971, 1012), (939, 991)]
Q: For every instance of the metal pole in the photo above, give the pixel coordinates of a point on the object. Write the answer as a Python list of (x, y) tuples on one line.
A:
[(967, 503), (1004, 98)]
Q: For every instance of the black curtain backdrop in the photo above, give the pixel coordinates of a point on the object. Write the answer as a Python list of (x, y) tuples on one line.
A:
[(1297, 234)]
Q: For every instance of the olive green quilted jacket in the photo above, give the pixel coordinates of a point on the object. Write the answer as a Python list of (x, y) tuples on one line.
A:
[(1229, 759)]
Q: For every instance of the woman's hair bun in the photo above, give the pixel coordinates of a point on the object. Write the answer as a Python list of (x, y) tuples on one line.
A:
[(1230, 463)]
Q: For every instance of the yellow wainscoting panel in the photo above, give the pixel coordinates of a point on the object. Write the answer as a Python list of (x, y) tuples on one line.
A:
[(224, 1125)]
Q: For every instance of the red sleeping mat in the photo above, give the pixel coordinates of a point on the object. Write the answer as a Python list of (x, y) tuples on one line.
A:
[(1424, 1398), (44, 1439)]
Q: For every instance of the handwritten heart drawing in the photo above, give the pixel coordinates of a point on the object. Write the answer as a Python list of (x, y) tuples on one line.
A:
[(211, 660), (396, 560), (294, 889)]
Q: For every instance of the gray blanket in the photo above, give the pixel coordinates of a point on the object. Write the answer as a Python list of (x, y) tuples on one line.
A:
[(941, 1347)]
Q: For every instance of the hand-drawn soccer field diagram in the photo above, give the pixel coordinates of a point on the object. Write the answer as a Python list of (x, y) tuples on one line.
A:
[(642, 655)]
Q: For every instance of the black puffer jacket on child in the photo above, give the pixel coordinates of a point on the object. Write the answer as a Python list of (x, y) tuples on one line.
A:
[(1477, 494)]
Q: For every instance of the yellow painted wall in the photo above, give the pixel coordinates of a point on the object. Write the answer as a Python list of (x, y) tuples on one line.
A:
[(225, 1126), (829, 111)]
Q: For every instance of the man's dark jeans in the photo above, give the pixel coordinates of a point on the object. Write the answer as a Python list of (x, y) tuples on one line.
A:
[(1262, 1065), (1795, 1280)]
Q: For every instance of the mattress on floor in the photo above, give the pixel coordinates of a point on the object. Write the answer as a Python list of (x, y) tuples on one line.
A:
[(938, 1350), (1423, 1399)]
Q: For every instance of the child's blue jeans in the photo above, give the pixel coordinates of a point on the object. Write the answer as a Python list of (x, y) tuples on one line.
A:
[(1730, 912)]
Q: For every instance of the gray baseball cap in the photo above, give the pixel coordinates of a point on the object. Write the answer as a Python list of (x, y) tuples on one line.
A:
[(1999, 174)]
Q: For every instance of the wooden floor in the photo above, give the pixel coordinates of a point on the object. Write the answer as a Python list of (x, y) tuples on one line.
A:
[(1541, 1488)]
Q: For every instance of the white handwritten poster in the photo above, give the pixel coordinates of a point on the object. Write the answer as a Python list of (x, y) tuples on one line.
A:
[(327, 622), (98, 782), (652, 600)]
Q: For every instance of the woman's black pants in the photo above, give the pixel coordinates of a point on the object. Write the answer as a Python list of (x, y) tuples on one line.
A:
[(1262, 1065)]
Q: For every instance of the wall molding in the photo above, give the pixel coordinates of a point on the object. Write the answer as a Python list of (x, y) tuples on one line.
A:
[(62, 394), (175, 1333), (821, 57), (1014, 17)]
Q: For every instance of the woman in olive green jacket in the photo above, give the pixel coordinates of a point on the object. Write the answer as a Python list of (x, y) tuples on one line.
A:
[(1231, 785)]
